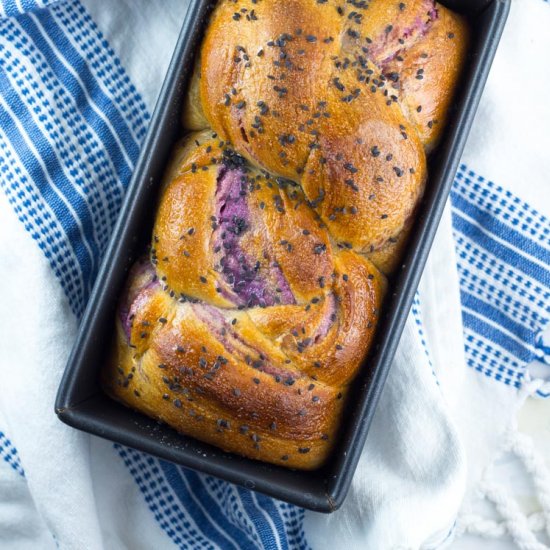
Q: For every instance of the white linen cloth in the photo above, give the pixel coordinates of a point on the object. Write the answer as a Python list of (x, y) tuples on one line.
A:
[(429, 440)]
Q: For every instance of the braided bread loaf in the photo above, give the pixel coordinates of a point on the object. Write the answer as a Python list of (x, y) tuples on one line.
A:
[(279, 215), (343, 97)]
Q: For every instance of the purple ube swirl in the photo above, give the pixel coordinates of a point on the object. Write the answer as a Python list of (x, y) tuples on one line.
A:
[(420, 27), (249, 282), (328, 319), (141, 280)]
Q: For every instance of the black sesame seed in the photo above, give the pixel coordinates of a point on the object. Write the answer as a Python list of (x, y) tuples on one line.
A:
[(319, 248), (339, 86)]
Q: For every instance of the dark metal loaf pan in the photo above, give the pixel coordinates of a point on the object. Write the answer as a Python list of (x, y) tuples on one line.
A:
[(82, 404)]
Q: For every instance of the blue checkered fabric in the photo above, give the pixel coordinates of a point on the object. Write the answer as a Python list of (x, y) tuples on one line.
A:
[(503, 248), (9, 454)]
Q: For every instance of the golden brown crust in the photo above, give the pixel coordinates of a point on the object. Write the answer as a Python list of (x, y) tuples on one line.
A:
[(346, 102), (429, 70), (254, 356), (225, 402), (367, 199), (320, 125), (282, 228), (193, 115), (388, 258)]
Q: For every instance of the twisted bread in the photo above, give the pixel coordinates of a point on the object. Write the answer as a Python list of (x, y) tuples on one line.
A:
[(247, 326), (260, 298), (343, 99)]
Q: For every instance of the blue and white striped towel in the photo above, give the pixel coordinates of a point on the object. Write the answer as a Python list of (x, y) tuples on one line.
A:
[(74, 104)]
